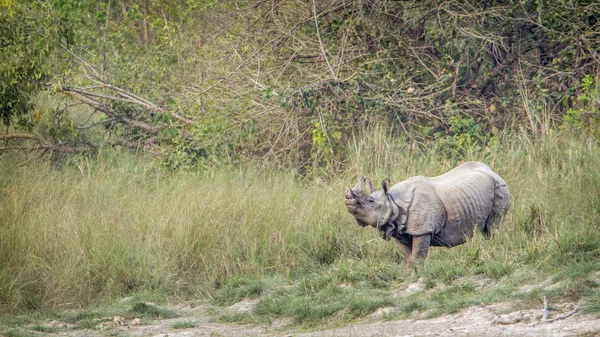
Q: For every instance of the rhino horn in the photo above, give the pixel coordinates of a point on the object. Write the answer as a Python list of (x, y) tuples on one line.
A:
[(359, 185)]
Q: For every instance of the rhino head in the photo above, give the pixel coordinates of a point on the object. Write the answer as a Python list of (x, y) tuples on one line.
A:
[(370, 207)]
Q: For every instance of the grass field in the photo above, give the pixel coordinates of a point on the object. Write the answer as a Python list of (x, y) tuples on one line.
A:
[(88, 232)]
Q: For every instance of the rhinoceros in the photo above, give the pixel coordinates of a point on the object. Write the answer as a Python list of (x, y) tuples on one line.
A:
[(438, 211)]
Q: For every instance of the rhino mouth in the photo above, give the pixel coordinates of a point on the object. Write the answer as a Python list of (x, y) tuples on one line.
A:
[(349, 195), (351, 202)]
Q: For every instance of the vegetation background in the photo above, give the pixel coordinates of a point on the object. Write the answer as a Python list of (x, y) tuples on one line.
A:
[(191, 149)]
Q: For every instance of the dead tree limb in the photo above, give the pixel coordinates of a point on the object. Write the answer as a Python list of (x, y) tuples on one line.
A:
[(21, 136), (39, 145), (90, 99), (49, 147), (123, 94), (545, 318)]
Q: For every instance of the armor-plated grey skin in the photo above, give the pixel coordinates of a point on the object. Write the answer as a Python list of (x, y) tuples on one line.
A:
[(440, 211)]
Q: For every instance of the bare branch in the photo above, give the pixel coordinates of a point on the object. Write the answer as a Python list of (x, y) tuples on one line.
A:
[(22, 136), (545, 318), (107, 110), (321, 42), (50, 147)]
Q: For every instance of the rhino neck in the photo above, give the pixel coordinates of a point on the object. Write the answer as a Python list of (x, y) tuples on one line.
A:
[(394, 218), (392, 214)]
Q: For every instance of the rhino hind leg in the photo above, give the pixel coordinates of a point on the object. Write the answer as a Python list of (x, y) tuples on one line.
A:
[(495, 220), (493, 224), (489, 224)]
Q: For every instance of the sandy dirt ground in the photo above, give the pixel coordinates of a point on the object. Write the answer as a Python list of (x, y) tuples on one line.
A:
[(475, 321)]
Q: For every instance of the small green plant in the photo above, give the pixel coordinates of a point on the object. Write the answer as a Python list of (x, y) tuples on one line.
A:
[(151, 310), (234, 317), (43, 328), (238, 288), (184, 325), (15, 333), (412, 305), (84, 319)]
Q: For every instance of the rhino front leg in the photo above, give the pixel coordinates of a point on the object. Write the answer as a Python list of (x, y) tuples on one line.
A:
[(420, 247), (404, 249)]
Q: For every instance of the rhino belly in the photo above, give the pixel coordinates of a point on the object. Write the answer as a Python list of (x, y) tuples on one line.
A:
[(460, 225), (451, 235)]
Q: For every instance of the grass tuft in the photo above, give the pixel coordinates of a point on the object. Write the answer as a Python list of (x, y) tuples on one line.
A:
[(184, 325), (43, 328), (15, 333), (150, 310), (235, 317)]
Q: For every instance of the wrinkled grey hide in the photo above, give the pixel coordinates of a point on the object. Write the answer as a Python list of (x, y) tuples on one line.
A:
[(440, 211)]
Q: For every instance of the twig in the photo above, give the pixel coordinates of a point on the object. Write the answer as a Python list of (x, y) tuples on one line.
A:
[(422, 63), (126, 96), (22, 136), (545, 318), (57, 148), (116, 119), (321, 42), (106, 109)]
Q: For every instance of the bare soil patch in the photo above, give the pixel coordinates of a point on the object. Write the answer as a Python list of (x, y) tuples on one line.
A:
[(490, 320)]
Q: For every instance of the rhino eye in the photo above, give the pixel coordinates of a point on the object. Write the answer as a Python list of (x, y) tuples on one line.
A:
[(370, 200)]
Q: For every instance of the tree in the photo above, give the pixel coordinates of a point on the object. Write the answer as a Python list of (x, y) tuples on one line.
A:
[(29, 32)]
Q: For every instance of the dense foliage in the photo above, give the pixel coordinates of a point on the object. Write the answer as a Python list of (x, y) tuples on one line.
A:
[(295, 82)]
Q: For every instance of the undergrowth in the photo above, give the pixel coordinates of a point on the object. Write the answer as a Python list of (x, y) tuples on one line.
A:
[(90, 231)]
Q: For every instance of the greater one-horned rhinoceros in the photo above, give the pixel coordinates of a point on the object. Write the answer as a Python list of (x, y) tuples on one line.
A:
[(440, 211)]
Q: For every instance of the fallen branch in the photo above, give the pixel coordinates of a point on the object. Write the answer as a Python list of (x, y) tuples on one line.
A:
[(21, 136), (45, 147), (125, 95), (42, 144), (545, 318), (105, 108)]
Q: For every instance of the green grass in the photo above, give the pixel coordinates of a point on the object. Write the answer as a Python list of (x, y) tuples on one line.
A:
[(239, 288), (15, 333), (184, 325), (235, 317), (150, 311), (94, 230), (43, 328)]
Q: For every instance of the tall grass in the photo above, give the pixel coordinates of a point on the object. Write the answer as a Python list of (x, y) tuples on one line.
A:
[(93, 230)]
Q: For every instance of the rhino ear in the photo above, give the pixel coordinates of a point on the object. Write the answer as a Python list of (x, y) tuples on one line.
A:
[(369, 188), (385, 185)]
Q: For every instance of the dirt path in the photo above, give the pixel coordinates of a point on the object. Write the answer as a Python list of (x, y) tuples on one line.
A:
[(474, 321)]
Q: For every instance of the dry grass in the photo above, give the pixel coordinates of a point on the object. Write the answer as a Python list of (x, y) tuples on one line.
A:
[(91, 231)]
